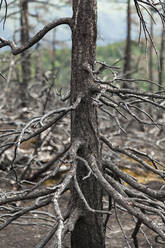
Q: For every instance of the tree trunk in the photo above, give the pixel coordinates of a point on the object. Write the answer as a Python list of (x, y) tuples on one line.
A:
[(151, 52), (127, 53), (88, 231), (25, 56), (161, 69)]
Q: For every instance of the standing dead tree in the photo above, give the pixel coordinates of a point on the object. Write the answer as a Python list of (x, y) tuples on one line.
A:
[(25, 62), (90, 169), (127, 52)]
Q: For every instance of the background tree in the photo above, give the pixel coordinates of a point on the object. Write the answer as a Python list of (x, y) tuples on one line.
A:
[(127, 52), (150, 62), (25, 56), (161, 69), (25, 16)]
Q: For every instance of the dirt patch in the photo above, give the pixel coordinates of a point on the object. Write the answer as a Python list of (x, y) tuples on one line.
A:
[(16, 236)]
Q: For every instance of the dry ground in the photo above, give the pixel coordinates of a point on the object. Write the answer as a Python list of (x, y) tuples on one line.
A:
[(27, 236)]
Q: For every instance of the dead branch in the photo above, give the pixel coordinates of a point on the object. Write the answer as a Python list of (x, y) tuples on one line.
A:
[(17, 50)]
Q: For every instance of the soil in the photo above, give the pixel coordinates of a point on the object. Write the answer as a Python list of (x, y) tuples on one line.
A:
[(16, 236)]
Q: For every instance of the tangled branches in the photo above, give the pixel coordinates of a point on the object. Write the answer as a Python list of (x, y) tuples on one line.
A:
[(138, 199)]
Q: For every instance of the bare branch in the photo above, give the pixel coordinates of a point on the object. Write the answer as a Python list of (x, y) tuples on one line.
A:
[(127, 204), (25, 210), (85, 201), (17, 50), (140, 161)]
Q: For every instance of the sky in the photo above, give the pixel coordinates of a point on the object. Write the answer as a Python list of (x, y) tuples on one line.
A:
[(111, 22), (107, 17)]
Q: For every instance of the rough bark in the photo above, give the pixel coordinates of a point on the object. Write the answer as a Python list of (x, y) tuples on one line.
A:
[(88, 231)]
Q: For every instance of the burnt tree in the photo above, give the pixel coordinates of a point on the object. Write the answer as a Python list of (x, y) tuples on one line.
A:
[(161, 69), (150, 62), (127, 52), (88, 231), (25, 56)]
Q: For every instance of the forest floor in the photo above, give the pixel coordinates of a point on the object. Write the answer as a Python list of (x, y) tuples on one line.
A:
[(149, 140), (15, 236)]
